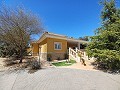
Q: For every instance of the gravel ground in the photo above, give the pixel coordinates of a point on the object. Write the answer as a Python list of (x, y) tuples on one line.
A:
[(2, 67), (59, 79)]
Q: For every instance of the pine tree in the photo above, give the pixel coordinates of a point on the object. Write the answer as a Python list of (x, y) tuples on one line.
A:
[(105, 45)]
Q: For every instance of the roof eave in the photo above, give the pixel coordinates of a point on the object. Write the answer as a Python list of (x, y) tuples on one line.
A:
[(50, 35)]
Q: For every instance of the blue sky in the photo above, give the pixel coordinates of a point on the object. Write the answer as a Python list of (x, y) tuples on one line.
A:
[(75, 18)]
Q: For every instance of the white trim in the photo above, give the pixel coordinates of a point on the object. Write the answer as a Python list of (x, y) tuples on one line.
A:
[(57, 43), (41, 39), (56, 34), (76, 40), (68, 39), (50, 35)]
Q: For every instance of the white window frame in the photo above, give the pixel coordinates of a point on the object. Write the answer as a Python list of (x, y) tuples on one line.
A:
[(57, 43)]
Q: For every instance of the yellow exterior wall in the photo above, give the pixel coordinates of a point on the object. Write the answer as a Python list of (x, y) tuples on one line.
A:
[(50, 45), (35, 49), (29, 49), (47, 46), (43, 46)]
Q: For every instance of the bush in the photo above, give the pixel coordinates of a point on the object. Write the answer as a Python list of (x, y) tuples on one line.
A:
[(10, 61), (109, 65), (35, 65)]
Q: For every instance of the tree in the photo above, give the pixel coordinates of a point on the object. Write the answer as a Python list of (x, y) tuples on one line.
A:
[(105, 45), (86, 38), (16, 29), (5, 50)]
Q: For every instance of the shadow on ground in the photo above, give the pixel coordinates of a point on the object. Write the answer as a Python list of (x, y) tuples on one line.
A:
[(102, 67)]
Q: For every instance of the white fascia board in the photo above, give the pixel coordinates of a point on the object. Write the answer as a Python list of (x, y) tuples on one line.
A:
[(50, 36), (75, 40), (57, 37), (44, 36), (41, 39)]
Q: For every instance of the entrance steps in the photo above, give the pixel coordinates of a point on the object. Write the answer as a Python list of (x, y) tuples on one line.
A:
[(77, 54)]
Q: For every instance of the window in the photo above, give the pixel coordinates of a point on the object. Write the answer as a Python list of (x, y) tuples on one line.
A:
[(57, 45)]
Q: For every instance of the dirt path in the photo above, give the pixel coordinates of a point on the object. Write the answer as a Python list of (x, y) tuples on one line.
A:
[(79, 65)]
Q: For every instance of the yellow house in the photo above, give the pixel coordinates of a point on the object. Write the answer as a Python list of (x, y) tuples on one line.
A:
[(54, 46)]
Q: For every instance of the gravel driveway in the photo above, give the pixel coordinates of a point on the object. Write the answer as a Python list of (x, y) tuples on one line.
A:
[(59, 79)]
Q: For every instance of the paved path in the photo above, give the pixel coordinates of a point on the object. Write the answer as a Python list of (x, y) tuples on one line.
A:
[(59, 79)]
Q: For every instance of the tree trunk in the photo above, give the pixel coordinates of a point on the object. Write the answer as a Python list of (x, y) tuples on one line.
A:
[(21, 60), (21, 55)]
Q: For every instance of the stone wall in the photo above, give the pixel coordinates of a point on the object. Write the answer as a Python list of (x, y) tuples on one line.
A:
[(43, 56), (54, 56), (58, 56)]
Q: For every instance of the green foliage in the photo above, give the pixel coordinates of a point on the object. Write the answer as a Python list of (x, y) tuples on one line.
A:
[(6, 50), (105, 45), (86, 38)]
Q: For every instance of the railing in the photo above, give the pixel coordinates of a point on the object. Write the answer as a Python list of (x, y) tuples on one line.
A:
[(77, 54), (82, 53), (73, 54)]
